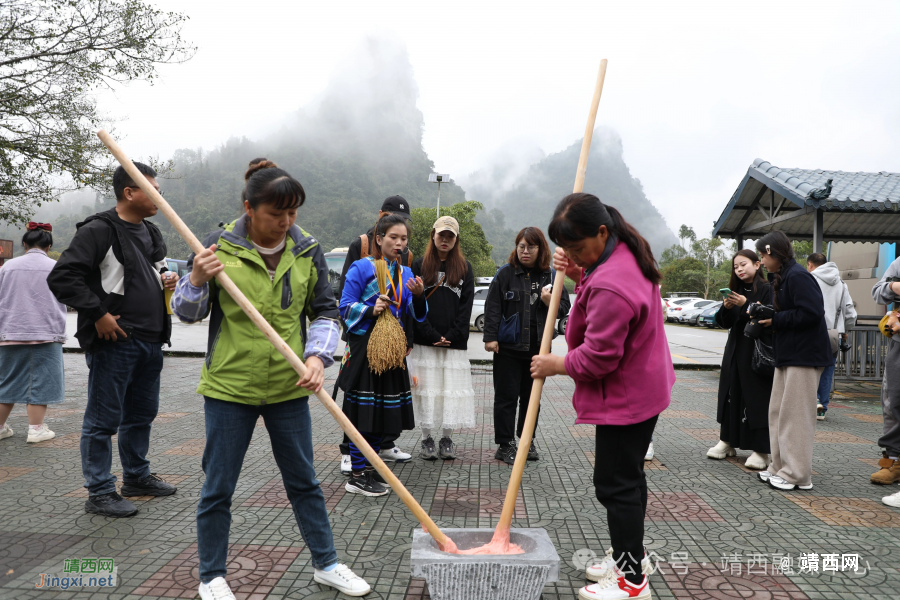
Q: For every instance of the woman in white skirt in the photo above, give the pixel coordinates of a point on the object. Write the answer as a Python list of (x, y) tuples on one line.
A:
[(443, 397), (32, 332)]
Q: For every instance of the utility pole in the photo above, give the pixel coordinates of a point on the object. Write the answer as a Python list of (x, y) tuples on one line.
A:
[(438, 178)]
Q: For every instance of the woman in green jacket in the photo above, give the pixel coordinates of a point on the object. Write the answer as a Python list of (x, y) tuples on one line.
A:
[(282, 271)]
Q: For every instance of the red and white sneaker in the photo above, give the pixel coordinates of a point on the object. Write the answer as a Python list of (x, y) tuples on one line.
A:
[(602, 569), (616, 588)]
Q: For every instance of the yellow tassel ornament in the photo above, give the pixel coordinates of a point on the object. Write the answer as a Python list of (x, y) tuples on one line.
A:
[(387, 344)]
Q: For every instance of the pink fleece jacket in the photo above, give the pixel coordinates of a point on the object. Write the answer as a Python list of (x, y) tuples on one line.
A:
[(618, 353)]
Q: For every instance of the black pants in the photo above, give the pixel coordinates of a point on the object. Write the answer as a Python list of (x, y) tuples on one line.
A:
[(621, 488), (387, 439), (512, 389)]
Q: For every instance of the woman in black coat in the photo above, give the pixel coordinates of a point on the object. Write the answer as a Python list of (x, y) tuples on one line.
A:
[(743, 394)]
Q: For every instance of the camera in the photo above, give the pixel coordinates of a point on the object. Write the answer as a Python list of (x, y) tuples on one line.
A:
[(844, 345), (760, 311), (757, 311)]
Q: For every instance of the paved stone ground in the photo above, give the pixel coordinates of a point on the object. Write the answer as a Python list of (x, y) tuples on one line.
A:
[(712, 524)]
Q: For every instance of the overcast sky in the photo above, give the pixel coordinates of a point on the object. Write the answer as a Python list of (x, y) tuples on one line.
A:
[(697, 90)]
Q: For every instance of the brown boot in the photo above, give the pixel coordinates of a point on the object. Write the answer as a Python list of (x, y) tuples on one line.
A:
[(889, 473)]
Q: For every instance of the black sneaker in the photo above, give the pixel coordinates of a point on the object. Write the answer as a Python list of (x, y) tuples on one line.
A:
[(428, 452), (447, 449), (110, 505), (151, 485), (506, 453), (365, 484), (532, 452)]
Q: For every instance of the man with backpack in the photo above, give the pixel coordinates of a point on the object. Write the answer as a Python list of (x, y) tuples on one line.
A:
[(361, 247), (114, 274)]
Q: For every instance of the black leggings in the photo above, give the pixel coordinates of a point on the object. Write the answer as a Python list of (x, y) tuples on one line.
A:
[(621, 488), (512, 389)]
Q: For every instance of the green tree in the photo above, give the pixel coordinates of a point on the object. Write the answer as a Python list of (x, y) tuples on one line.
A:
[(53, 55), (472, 240), (802, 249), (686, 233), (709, 252), (683, 275)]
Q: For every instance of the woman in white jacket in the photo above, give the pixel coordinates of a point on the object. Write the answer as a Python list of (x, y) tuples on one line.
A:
[(839, 315)]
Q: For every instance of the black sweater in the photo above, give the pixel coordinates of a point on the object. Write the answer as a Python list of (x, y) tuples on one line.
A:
[(449, 309)]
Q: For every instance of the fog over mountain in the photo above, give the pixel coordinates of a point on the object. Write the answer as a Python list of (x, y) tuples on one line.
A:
[(527, 195), (360, 141)]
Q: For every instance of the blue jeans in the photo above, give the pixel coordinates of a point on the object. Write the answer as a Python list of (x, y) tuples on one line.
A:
[(229, 428), (123, 397), (824, 392)]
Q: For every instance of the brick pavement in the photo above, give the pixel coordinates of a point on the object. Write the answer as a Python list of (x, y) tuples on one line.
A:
[(711, 523)]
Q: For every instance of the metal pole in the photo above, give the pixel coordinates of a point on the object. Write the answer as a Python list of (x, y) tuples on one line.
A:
[(439, 201), (818, 230)]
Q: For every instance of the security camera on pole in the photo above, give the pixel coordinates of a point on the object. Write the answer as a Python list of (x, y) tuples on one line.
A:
[(438, 178)]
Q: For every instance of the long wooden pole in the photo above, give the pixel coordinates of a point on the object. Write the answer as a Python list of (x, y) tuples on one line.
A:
[(515, 478), (225, 282)]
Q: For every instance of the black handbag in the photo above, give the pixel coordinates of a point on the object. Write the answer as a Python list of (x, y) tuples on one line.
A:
[(763, 361)]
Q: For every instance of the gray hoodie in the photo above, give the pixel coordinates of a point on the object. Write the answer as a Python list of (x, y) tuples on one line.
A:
[(839, 311)]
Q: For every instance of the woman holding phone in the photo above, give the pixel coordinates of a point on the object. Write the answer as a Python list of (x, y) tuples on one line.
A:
[(743, 393)]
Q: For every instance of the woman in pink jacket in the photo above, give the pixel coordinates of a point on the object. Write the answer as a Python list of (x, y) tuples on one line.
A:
[(619, 358)]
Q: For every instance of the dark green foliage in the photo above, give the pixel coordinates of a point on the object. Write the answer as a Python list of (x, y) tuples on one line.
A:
[(473, 242)]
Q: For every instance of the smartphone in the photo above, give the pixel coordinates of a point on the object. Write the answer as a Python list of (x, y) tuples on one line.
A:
[(725, 292)]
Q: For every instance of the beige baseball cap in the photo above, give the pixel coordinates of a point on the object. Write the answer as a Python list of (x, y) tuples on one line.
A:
[(446, 224)]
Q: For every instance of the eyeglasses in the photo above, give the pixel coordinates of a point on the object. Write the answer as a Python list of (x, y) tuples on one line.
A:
[(523, 248)]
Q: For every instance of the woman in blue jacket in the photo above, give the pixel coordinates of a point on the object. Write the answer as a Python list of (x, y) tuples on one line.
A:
[(802, 351)]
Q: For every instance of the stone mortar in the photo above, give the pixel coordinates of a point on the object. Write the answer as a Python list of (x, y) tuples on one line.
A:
[(485, 577)]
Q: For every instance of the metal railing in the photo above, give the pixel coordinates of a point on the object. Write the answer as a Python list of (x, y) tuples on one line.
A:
[(868, 349)]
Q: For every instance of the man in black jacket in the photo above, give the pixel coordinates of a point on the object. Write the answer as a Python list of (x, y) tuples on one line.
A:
[(362, 247), (114, 274)]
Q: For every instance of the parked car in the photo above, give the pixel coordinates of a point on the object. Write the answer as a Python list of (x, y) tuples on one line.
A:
[(477, 318), (335, 261), (707, 318), (691, 315), (177, 266), (677, 305)]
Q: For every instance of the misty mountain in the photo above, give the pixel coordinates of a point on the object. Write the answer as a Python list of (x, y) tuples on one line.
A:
[(359, 142), (544, 183)]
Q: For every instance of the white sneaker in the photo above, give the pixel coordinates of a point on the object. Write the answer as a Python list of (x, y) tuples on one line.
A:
[(781, 484), (41, 435), (757, 461), (616, 588), (216, 589), (720, 451), (892, 500), (395, 454), (344, 580), (602, 569), (764, 476), (346, 464), (649, 455), (6, 431)]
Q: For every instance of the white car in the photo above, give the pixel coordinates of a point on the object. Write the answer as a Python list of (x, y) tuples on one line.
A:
[(678, 305), (477, 318)]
